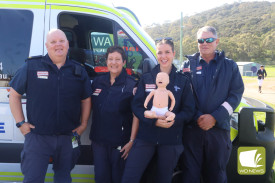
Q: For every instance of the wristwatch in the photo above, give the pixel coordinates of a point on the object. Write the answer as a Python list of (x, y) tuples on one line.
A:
[(20, 124)]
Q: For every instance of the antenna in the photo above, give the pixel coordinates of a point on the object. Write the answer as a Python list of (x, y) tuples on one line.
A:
[(181, 31)]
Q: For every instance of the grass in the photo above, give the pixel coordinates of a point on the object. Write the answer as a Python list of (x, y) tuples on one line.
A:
[(270, 71)]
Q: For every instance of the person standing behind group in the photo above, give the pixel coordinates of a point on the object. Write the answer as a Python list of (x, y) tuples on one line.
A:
[(218, 88), (158, 135), (261, 73), (114, 127), (58, 104)]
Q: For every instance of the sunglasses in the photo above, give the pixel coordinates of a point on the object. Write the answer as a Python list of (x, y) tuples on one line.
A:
[(163, 38), (207, 40)]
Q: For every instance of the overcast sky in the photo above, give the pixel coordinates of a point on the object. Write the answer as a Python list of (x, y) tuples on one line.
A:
[(159, 11)]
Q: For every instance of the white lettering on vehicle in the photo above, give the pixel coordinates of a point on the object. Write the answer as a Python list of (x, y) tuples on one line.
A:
[(1, 66), (3, 76)]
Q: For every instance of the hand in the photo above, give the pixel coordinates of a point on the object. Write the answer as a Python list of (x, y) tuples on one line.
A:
[(164, 124), (26, 128), (79, 130), (161, 117), (126, 149), (206, 122)]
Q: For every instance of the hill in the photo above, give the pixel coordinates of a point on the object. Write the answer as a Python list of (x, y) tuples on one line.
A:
[(246, 31)]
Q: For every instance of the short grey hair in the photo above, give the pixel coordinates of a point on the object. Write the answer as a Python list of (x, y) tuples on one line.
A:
[(208, 29)]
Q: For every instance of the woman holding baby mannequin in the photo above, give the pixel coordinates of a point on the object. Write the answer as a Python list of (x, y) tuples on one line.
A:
[(160, 135)]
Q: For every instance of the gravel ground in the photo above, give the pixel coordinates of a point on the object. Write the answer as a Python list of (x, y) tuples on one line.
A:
[(268, 89)]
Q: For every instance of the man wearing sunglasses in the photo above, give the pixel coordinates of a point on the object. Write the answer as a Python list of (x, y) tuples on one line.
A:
[(218, 89)]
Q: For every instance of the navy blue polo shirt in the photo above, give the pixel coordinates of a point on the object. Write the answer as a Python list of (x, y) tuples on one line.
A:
[(205, 73), (112, 113), (53, 95)]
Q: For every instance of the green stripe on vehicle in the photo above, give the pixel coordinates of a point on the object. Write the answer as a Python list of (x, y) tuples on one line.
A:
[(22, 6), (233, 133), (34, 1), (92, 5), (112, 10), (241, 105), (11, 173), (70, 8), (11, 179), (140, 36), (83, 175), (73, 180)]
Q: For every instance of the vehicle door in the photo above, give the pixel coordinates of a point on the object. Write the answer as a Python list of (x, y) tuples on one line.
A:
[(92, 28)]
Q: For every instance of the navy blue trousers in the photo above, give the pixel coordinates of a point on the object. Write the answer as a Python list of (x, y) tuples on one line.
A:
[(108, 163), (36, 155), (141, 154), (206, 155)]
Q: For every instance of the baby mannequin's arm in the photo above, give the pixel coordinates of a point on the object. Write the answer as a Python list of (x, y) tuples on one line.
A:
[(148, 98), (173, 101)]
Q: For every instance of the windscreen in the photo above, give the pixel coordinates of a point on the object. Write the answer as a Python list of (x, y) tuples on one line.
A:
[(15, 36)]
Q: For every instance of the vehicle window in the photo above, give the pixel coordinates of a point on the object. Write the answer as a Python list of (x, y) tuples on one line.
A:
[(133, 52), (15, 36), (89, 38), (100, 43)]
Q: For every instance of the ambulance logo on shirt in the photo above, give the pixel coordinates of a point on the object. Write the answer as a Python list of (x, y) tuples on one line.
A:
[(42, 74), (97, 92), (176, 88), (150, 87), (199, 68), (186, 70)]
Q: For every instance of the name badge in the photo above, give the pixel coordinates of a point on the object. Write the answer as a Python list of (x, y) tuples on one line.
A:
[(42, 74), (199, 68), (198, 72), (150, 87), (186, 70), (97, 92)]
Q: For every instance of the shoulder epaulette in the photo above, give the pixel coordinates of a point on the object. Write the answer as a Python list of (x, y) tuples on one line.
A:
[(132, 79), (34, 57)]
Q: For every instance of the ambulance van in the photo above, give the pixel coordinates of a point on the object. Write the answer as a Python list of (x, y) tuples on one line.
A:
[(91, 27)]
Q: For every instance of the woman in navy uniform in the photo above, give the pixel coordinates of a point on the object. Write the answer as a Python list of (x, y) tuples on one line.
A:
[(112, 118), (158, 135)]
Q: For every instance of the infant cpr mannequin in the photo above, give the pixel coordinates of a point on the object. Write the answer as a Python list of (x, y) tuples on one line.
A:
[(160, 101)]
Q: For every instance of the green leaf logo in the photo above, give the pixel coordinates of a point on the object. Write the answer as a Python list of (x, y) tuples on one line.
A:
[(251, 160)]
